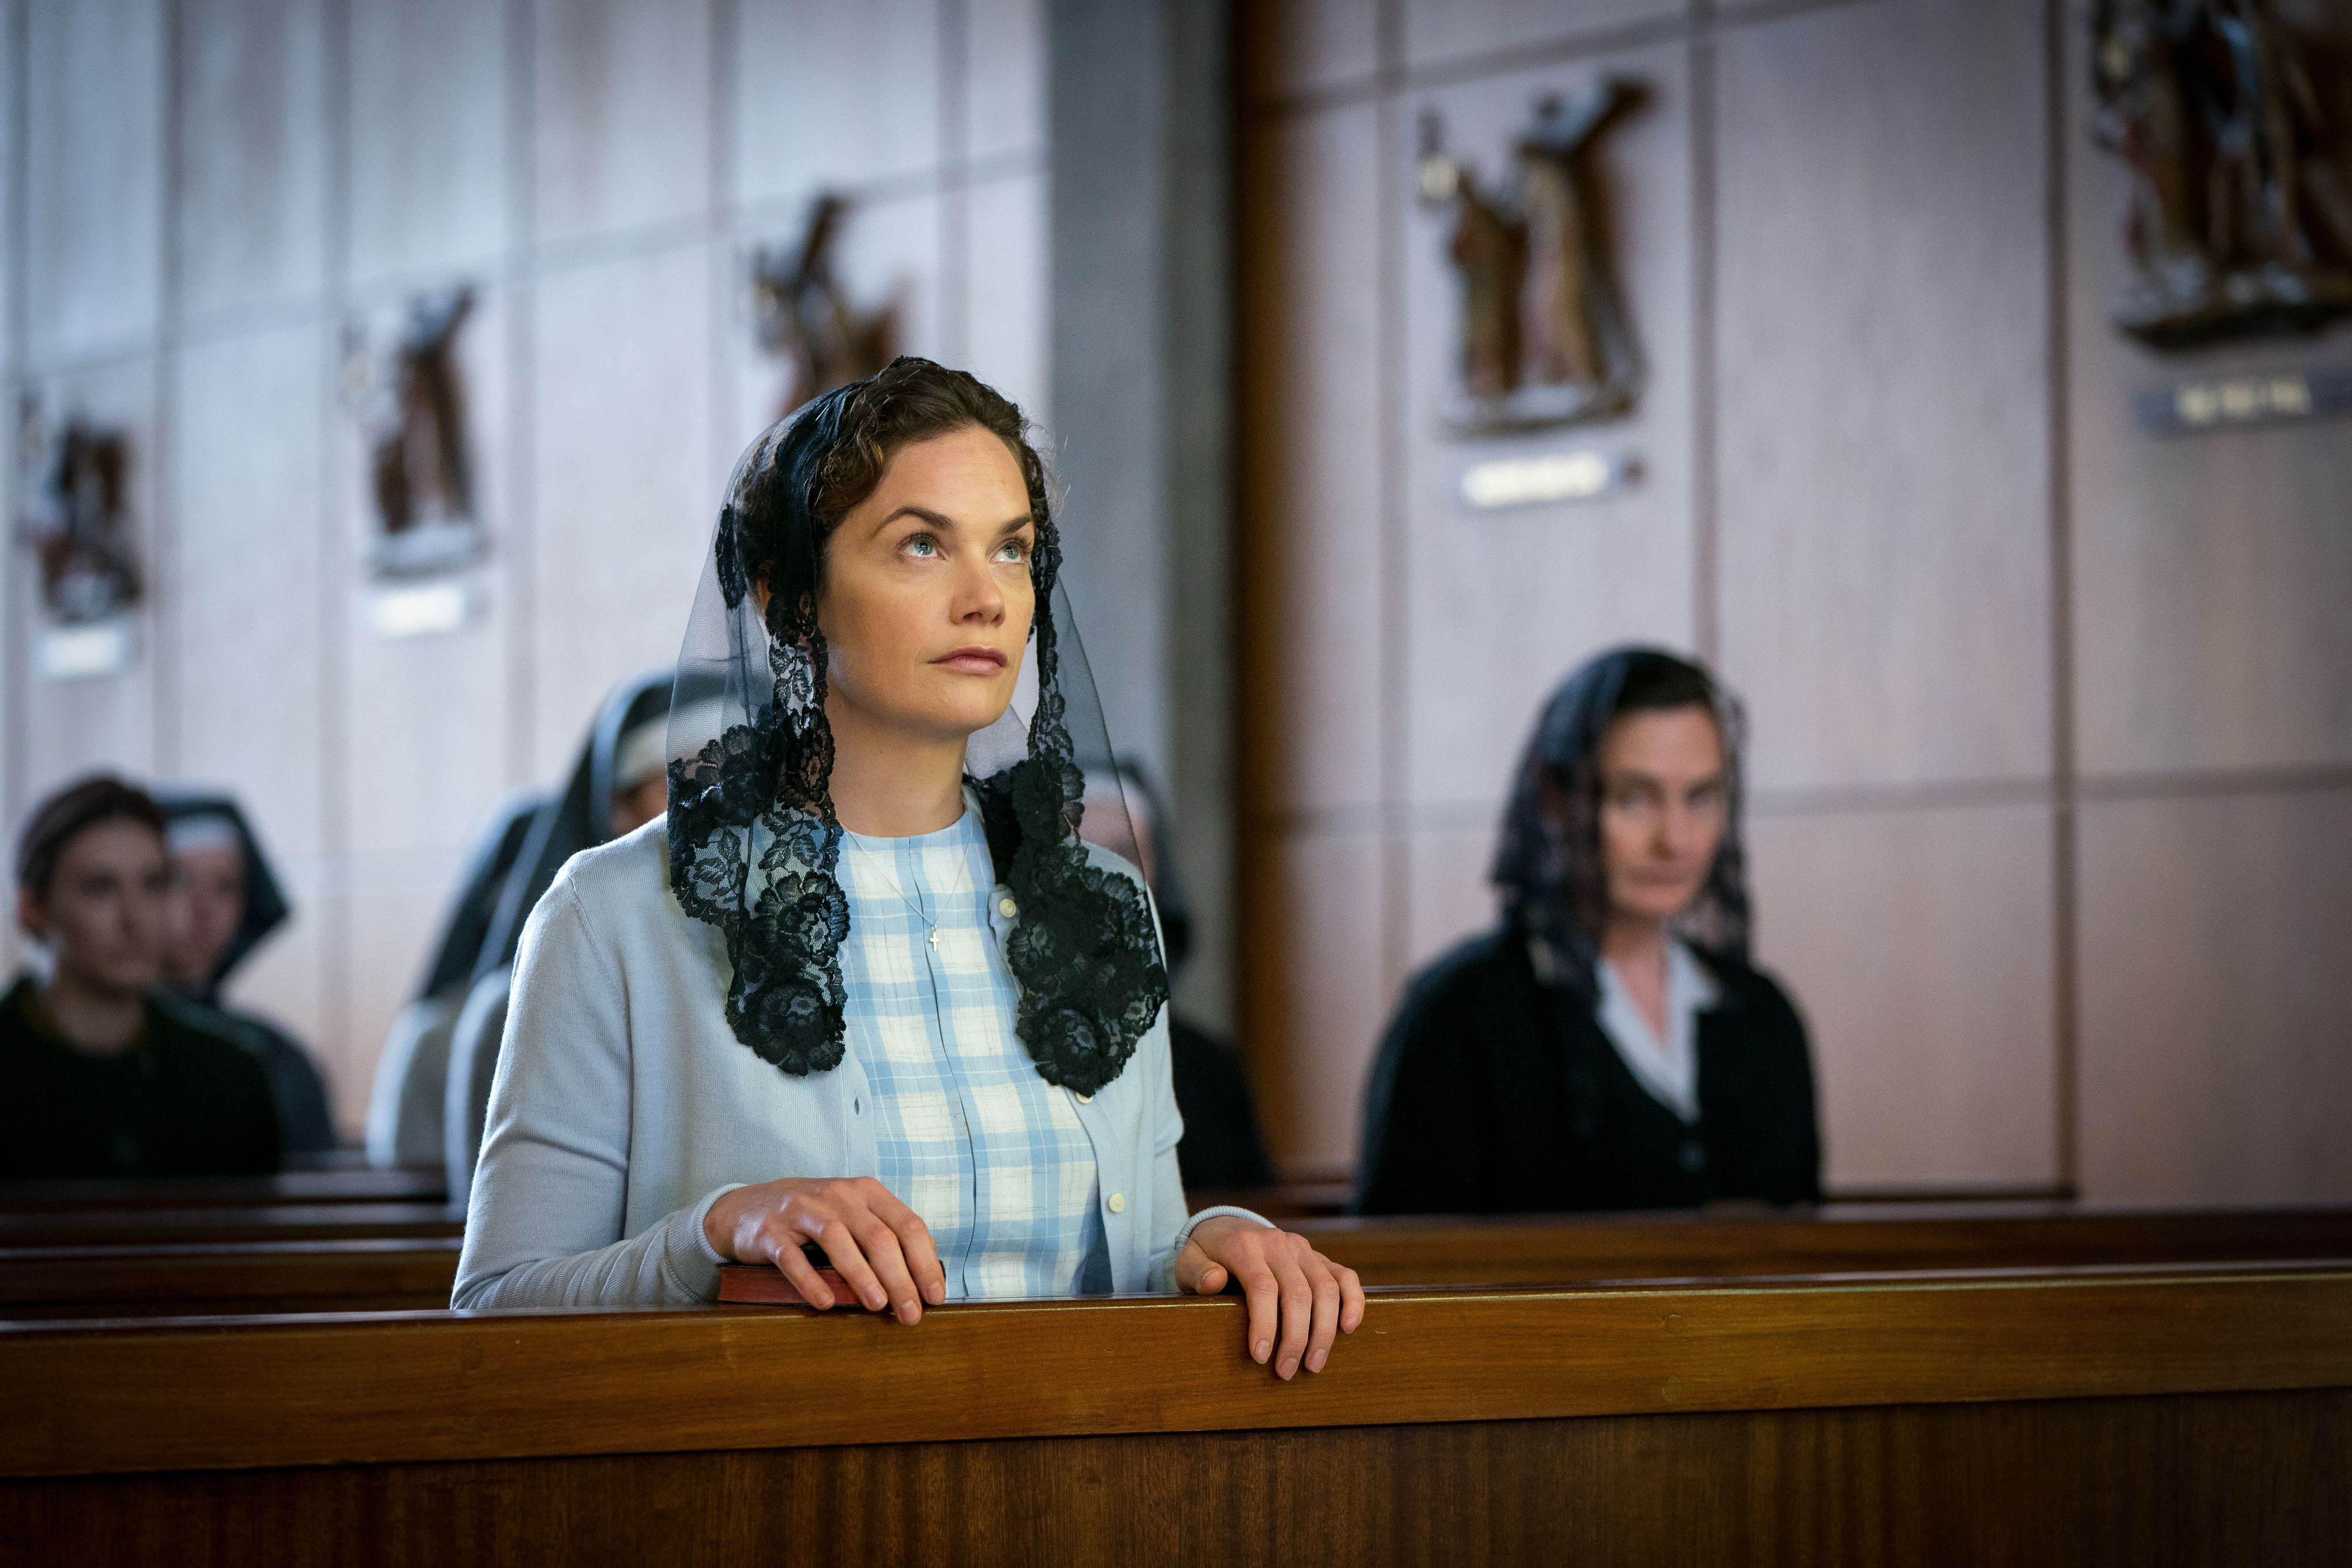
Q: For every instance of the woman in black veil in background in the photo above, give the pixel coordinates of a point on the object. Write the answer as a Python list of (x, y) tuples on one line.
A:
[(224, 902), (1610, 1046), (617, 786), (405, 1101), (433, 1079)]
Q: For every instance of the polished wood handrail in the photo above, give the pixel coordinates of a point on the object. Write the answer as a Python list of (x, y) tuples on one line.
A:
[(228, 1277), (1553, 1249), (1325, 1195), (340, 1185), (358, 1270), (239, 1393), (279, 1222)]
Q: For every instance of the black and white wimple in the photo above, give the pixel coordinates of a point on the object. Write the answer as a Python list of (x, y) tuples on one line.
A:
[(754, 847)]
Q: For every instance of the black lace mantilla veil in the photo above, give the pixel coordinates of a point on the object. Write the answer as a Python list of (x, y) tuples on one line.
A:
[(754, 845), (1549, 870)]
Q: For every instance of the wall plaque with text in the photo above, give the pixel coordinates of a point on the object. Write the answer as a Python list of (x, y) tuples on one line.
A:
[(2258, 397)]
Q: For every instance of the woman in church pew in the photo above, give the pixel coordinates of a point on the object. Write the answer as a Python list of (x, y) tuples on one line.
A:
[(617, 786), (864, 991), (1610, 1046), (101, 1072)]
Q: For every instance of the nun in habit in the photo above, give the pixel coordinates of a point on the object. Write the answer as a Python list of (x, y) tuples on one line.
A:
[(225, 900), (433, 1081), (865, 989), (1609, 1046), (619, 785), (406, 1103)]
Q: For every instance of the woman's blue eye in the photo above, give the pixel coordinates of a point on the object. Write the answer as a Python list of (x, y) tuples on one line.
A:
[(923, 545)]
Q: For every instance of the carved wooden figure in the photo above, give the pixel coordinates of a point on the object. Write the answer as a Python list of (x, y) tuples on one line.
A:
[(803, 310), (2238, 143), (1545, 336), (1489, 251), (420, 466), (78, 522)]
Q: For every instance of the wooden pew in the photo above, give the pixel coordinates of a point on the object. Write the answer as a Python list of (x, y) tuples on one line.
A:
[(296, 1188), (280, 1222), (1325, 1194), (2087, 1416), (1834, 1238), (204, 1278), (370, 1272)]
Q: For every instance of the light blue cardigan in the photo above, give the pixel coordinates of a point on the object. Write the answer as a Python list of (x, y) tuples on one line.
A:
[(623, 1107)]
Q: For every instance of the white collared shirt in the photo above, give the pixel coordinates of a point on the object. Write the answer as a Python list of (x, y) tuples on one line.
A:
[(1668, 1069)]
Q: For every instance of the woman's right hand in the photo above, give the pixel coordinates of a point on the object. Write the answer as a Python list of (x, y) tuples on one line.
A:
[(881, 1249)]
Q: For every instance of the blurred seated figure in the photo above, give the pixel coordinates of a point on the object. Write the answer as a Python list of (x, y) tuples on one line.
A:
[(102, 1074), (405, 1102), (1609, 1046), (224, 900), (620, 783), (1221, 1151)]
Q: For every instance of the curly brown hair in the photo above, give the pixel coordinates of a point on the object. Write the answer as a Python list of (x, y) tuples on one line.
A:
[(802, 477)]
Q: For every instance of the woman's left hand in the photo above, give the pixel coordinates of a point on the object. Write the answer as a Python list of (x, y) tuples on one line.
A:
[(1296, 1296)]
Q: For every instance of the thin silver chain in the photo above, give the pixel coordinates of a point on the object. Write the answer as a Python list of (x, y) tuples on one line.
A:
[(891, 878)]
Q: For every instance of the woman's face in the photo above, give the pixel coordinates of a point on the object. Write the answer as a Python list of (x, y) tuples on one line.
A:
[(926, 599), (207, 906), (1663, 799), (105, 913)]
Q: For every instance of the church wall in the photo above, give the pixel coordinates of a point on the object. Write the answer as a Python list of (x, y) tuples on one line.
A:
[(206, 199), (1883, 596), (2050, 728)]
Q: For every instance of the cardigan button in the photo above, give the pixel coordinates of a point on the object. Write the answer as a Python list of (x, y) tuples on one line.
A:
[(1694, 1156), (1085, 1099), (1117, 1202), (1007, 908)]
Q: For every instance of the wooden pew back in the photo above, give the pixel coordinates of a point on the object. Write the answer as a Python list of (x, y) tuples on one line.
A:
[(2091, 1416), (1835, 1239), (308, 1259), (311, 1188)]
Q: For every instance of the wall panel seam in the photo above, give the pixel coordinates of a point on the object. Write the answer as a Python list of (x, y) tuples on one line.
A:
[(1400, 80), (1390, 225), (256, 318), (516, 533), (725, 239), (166, 621), (1458, 815), (1563, 48), (2065, 980), (955, 216), (336, 710), (12, 620), (1707, 606)]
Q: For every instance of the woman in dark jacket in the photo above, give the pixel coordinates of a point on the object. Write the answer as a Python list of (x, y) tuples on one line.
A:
[(102, 1073), (1609, 1046)]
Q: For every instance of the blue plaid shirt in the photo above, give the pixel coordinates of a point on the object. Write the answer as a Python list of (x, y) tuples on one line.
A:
[(992, 1156)]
